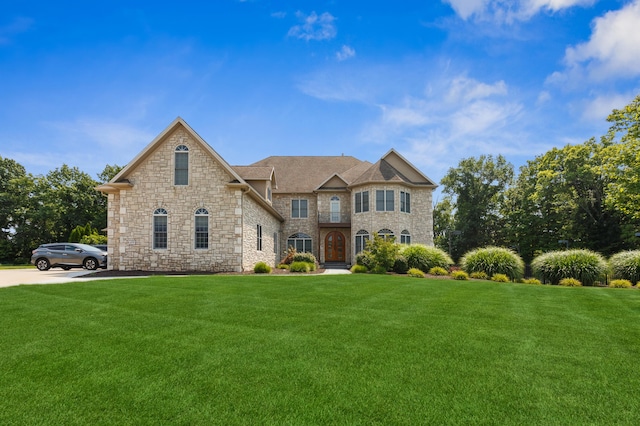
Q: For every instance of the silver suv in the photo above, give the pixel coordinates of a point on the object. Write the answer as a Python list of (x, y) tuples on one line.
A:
[(67, 256)]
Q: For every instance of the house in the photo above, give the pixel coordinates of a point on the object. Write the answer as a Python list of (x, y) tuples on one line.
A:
[(179, 206)]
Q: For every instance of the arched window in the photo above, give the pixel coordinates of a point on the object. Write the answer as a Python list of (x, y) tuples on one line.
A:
[(362, 237), (202, 228), (181, 175), (160, 229), (405, 237), (335, 209), (386, 234), (301, 242)]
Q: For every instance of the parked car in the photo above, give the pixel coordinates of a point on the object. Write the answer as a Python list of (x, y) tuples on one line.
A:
[(102, 247), (67, 256)]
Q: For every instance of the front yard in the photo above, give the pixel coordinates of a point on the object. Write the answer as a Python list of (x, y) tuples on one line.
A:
[(348, 349)]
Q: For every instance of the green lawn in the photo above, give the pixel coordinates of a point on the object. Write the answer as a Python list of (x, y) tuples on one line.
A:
[(356, 349)]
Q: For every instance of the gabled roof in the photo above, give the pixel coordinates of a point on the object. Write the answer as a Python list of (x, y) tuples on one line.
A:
[(393, 167), (252, 173), (303, 174), (333, 182)]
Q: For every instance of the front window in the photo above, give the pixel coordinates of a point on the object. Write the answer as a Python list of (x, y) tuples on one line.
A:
[(386, 234), (181, 175), (160, 229), (362, 237), (259, 231), (299, 209), (405, 202), (384, 200), (405, 237), (362, 202), (301, 242), (335, 209), (202, 229)]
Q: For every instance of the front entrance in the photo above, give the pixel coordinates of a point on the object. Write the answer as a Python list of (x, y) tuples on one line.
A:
[(334, 247)]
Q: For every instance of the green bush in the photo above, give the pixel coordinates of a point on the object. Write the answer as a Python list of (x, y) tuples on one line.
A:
[(479, 275), (493, 260), (300, 267), (426, 257), (379, 269), (500, 278), (620, 284), (626, 265), (438, 270), (383, 253), (533, 281), (304, 257), (415, 272), (262, 268), (570, 282), (584, 265), (283, 266), (460, 275), (400, 266), (359, 269), (364, 259)]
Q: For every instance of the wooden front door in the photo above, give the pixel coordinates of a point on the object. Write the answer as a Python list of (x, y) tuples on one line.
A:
[(334, 247)]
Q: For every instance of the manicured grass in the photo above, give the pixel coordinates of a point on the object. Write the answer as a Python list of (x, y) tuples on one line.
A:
[(356, 349)]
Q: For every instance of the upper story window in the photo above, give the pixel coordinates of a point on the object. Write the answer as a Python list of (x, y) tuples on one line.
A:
[(362, 201), (384, 200), (269, 194), (299, 209), (335, 209), (202, 229), (181, 172), (160, 229), (405, 202)]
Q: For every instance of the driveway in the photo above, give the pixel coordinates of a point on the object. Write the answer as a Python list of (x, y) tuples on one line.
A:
[(9, 277)]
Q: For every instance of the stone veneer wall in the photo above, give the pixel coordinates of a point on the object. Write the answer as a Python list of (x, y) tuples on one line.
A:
[(254, 215), (309, 226), (130, 218), (419, 222)]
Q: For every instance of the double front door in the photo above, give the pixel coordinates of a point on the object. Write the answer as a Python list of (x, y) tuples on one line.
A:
[(334, 247)]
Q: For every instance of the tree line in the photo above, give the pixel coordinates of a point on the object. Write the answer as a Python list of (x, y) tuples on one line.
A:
[(578, 196), (42, 209)]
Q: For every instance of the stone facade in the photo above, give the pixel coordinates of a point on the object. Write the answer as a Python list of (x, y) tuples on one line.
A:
[(239, 209)]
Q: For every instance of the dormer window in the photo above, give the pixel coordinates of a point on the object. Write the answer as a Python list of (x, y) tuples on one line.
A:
[(181, 174)]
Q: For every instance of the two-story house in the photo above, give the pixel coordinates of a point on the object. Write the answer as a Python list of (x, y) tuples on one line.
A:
[(179, 206)]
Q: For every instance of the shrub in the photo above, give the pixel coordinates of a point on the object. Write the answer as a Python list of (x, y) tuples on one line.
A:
[(533, 281), (364, 258), (282, 266), (383, 253), (262, 268), (500, 278), (425, 257), (359, 269), (620, 284), (570, 282), (379, 269), (626, 265), (479, 275), (493, 260), (300, 267), (415, 272), (304, 257), (584, 265), (460, 275), (400, 266), (438, 270)]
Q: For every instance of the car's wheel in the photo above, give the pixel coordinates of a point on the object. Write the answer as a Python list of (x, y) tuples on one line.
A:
[(66, 268), (43, 264), (90, 263)]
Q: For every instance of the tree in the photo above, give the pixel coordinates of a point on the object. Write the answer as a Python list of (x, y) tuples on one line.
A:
[(10, 202), (108, 173), (477, 187)]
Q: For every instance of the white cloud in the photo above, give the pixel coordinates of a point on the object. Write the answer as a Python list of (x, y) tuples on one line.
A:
[(508, 11), (279, 15), (613, 51), (345, 53), (601, 106), (314, 27)]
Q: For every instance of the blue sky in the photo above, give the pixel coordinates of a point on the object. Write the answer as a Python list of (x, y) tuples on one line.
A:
[(92, 83)]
